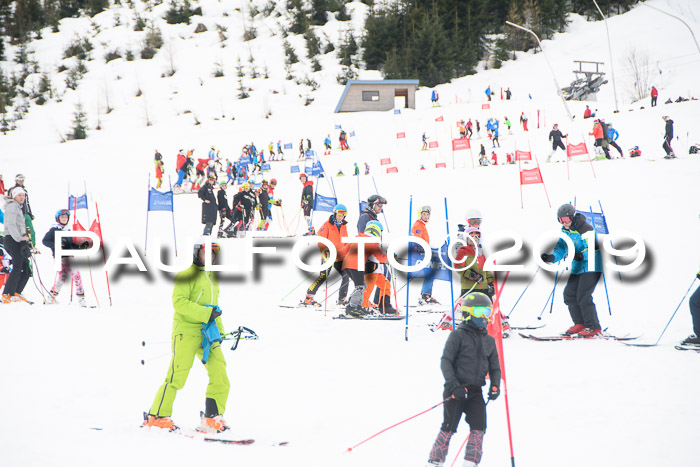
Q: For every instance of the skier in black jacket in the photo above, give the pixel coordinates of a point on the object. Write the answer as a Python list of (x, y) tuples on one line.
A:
[(224, 209), (209, 208), (470, 353), (375, 204), (555, 136), (668, 137)]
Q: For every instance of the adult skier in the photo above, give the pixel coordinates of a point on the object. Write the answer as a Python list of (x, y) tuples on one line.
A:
[(334, 229), (556, 136), (224, 209), (420, 229), (375, 204), (598, 134), (209, 207), (26, 210), (351, 266), (578, 293), (197, 312), (654, 95), (17, 245), (668, 137), (62, 217), (612, 137), (469, 355), (307, 198)]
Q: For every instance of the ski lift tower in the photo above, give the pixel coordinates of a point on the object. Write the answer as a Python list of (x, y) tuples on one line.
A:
[(587, 82)]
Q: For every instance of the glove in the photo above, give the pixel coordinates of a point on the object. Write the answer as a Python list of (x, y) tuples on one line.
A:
[(494, 392), (459, 393), (475, 276), (25, 251), (547, 258), (215, 312), (325, 255), (578, 257), (84, 246), (491, 291)]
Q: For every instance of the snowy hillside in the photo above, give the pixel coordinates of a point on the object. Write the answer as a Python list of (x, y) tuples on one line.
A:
[(72, 384)]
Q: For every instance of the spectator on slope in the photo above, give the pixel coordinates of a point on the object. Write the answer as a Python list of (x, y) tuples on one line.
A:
[(462, 129), (366, 168), (434, 97), (209, 207), (159, 168), (279, 148), (494, 158), (612, 137), (420, 229), (599, 135), (180, 168), (478, 128), (469, 128), (343, 138), (508, 94), (482, 156), (523, 121), (327, 145), (195, 300), (556, 136), (495, 132), (668, 137), (578, 293), (17, 244), (334, 229), (508, 124), (470, 354), (224, 209), (302, 154), (654, 95), (26, 210), (424, 138), (375, 204), (62, 217), (307, 199), (587, 113), (238, 204), (488, 92)]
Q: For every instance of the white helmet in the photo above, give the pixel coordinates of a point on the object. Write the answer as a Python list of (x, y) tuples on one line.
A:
[(474, 214)]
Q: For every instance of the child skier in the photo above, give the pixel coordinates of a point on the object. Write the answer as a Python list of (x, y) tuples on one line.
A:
[(469, 354), (62, 217)]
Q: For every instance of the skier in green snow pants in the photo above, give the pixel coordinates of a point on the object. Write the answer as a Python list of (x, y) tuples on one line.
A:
[(195, 300)]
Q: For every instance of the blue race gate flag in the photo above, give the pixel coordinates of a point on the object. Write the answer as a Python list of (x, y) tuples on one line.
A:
[(597, 220), (324, 203), (82, 202), (294, 169), (288, 146), (364, 205), (338, 127), (158, 201), (397, 111), (240, 180), (246, 160), (266, 167), (352, 133), (436, 268)]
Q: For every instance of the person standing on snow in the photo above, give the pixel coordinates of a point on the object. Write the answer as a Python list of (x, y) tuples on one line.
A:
[(470, 261), (523, 121), (424, 138), (488, 92), (307, 198), (694, 303), (495, 130), (470, 354), (62, 217), (209, 207), (17, 245), (600, 138), (224, 209), (327, 144), (508, 94), (578, 293), (668, 137), (612, 137), (334, 229), (654, 95), (420, 229), (196, 304), (375, 204), (555, 136)]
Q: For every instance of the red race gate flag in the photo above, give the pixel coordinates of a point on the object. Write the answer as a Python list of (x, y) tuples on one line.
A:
[(485, 106), (461, 143), (385, 161), (441, 165), (440, 119), (530, 176), (392, 170), (400, 135), (576, 149), (523, 155), (432, 144)]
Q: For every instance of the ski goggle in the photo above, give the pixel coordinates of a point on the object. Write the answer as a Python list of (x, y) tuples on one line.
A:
[(475, 222), (425, 209), (564, 220), (481, 312), (340, 211), (475, 234), (214, 248), (63, 212)]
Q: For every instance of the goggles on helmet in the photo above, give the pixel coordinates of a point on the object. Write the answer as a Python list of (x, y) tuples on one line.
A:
[(564, 220), (481, 312), (474, 222)]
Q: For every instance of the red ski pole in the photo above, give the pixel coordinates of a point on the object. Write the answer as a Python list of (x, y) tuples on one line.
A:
[(397, 424)]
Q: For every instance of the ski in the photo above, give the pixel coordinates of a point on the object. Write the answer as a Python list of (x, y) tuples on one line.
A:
[(566, 337), (302, 307), (238, 442), (371, 317), (687, 347), (208, 437), (527, 328)]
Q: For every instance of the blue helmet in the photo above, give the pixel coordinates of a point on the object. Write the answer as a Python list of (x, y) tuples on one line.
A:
[(62, 212), (340, 207), (374, 228)]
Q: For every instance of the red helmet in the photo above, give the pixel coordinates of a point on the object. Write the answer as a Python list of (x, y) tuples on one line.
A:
[(303, 175), (273, 181)]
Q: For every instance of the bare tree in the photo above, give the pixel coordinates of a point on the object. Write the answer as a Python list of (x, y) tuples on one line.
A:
[(639, 68)]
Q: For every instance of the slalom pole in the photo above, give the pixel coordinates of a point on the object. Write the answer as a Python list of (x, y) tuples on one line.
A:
[(619, 274), (605, 283), (410, 210), (397, 424), (452, 290), (383, 214), (521, 295), (460, 448), (104, 257)]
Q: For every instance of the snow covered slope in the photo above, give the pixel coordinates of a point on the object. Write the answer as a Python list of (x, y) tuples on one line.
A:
[(322, 384)]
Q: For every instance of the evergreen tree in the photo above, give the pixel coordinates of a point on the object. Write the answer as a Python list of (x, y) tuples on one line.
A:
[(289, 52), (313, 44), (300, 22), (319, 15), (79, 123), (347, 49)]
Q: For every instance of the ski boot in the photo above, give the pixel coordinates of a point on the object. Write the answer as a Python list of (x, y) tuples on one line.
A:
[(427, 299), (6, 298), (590, 332), (356, 312), (81, 301), (691, 340), (385, 307), (342, 302), (164, 423), (575, 329), (215, 424), (309, 301)]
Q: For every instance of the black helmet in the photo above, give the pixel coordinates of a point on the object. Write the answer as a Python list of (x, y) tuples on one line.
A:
[(566, 210), (472, 303), (372, 200)]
